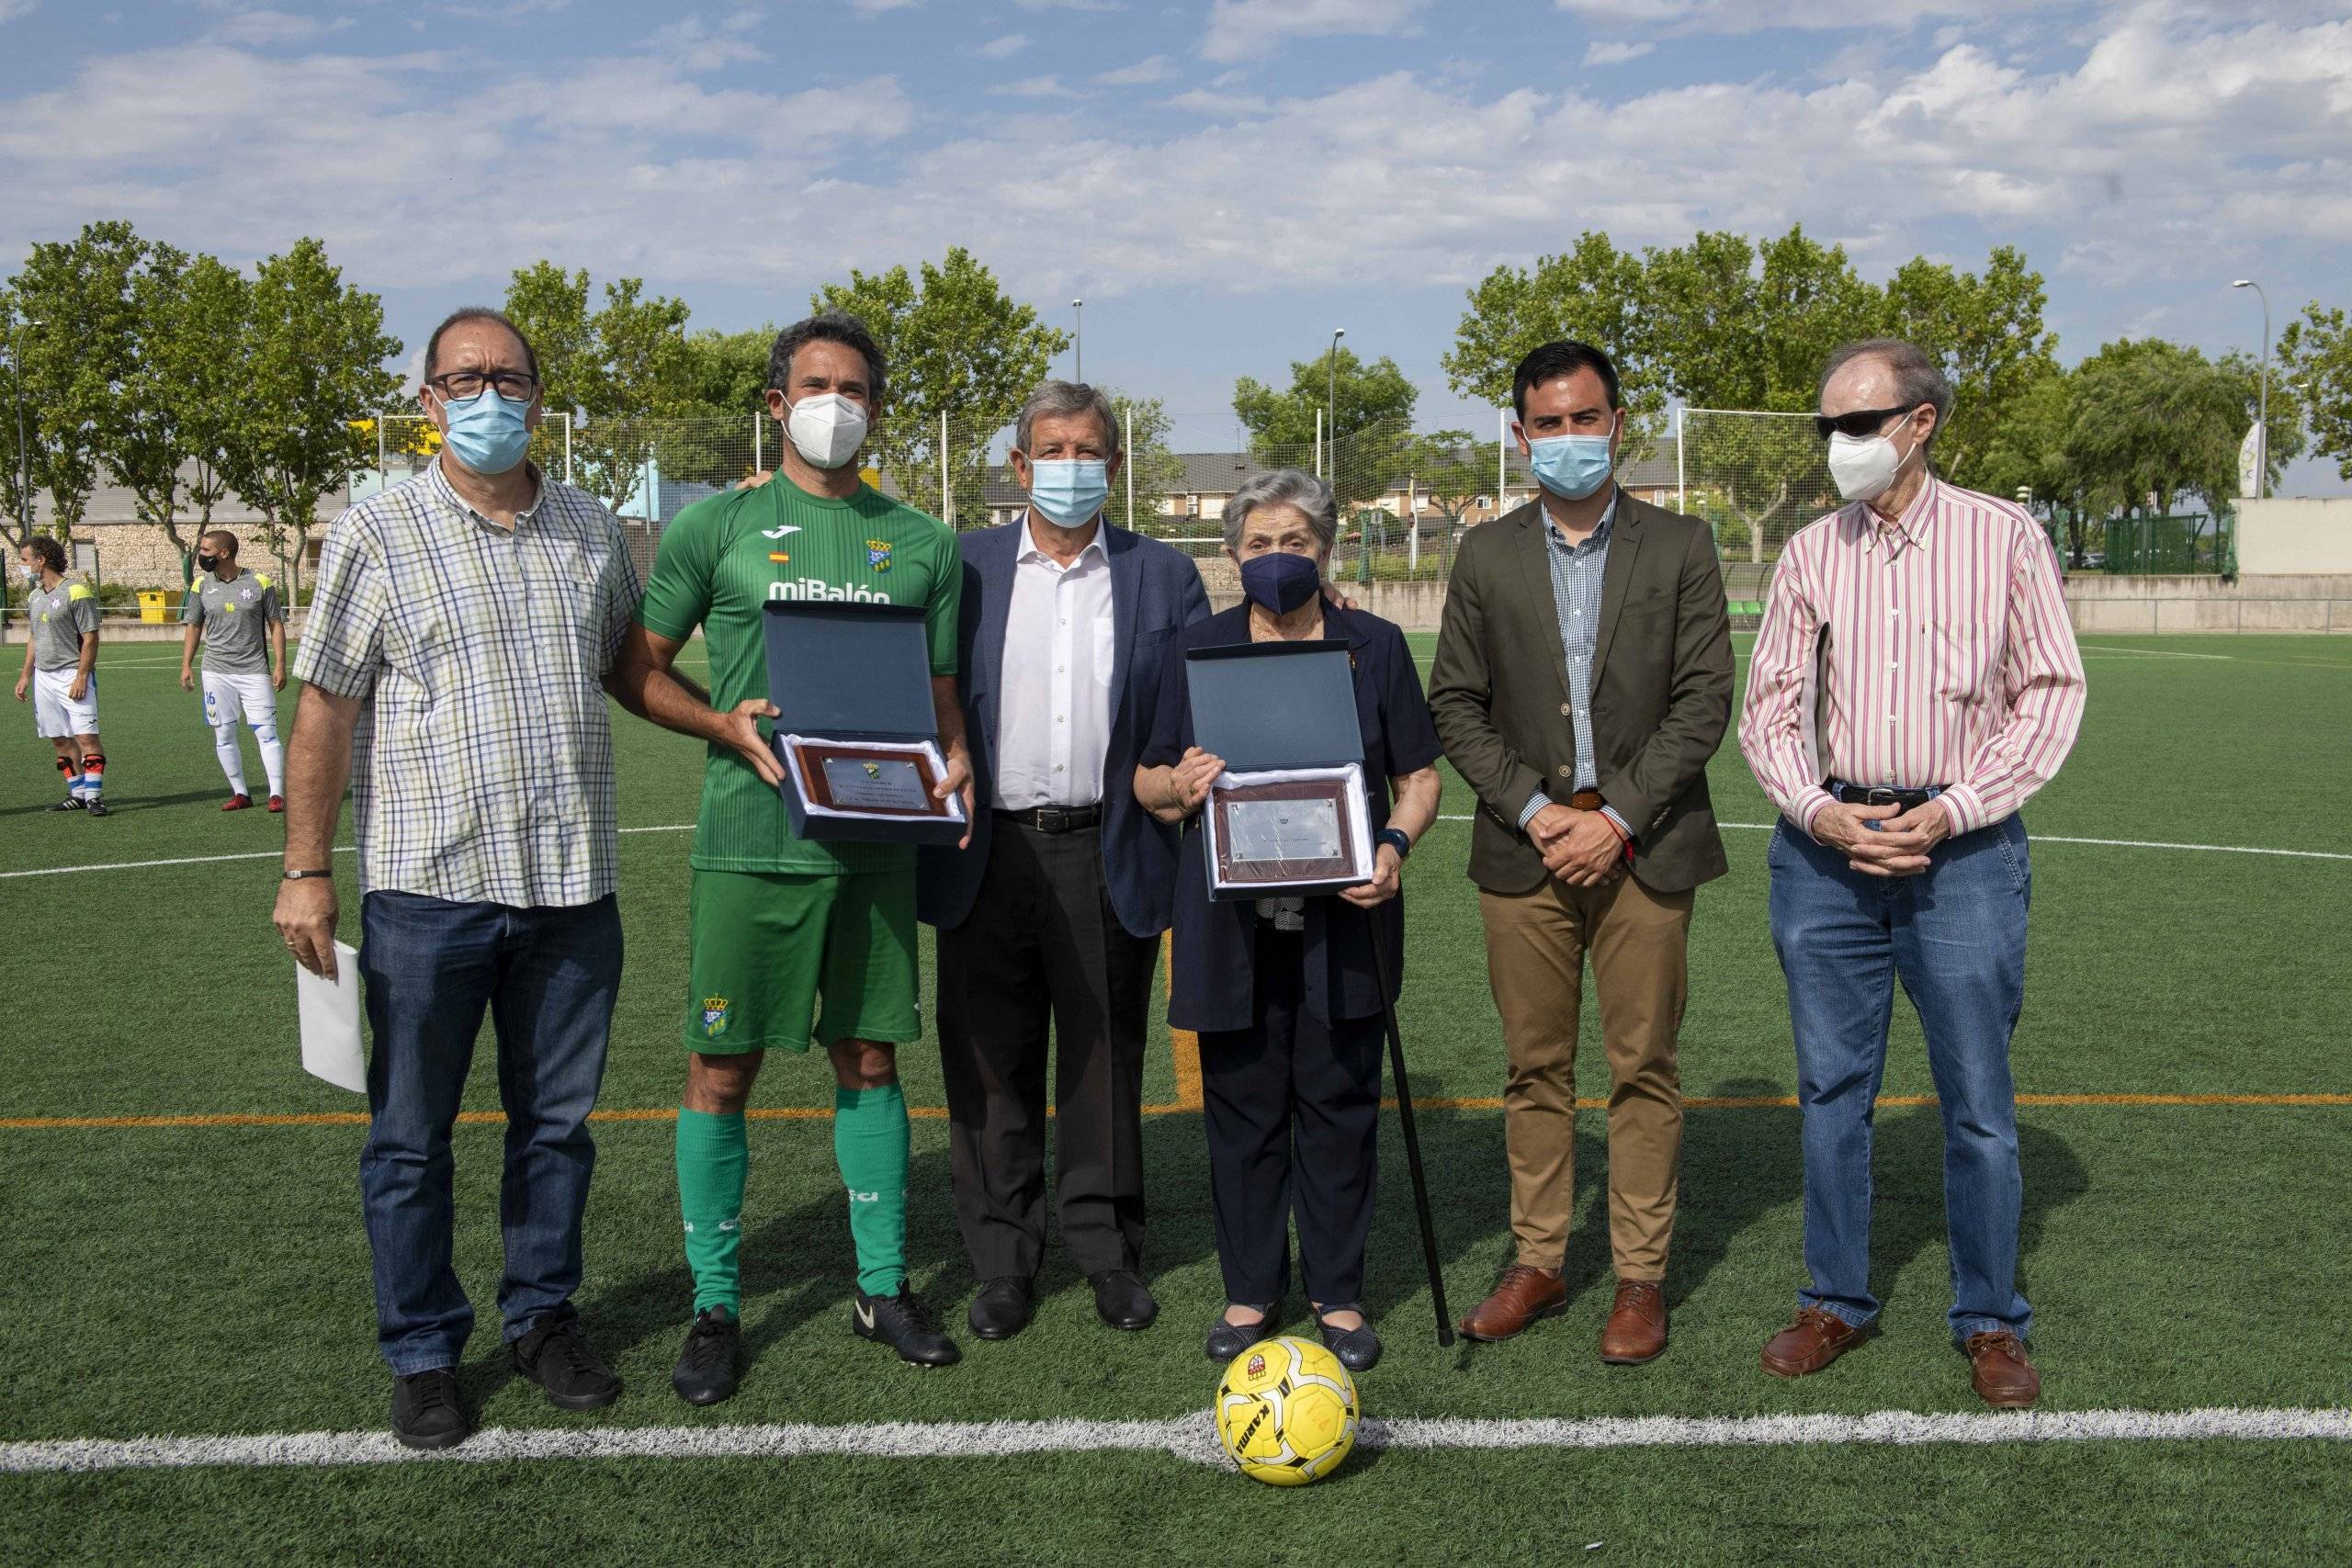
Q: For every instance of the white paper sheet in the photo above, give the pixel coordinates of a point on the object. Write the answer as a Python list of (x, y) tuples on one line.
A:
[(330, 1010)]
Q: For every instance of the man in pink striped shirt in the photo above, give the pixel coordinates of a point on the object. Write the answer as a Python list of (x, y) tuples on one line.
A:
[(1915, 681)]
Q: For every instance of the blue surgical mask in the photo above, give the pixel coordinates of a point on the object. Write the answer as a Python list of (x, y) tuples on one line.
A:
[(1280, 581), (1069, 492), (487, 431), (1571, 467)]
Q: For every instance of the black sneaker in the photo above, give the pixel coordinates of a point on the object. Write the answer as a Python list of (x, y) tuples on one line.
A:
[(70, 803), (95, 808), (706, 1371), (555, 1356), (426, 1413), (905, 1325)]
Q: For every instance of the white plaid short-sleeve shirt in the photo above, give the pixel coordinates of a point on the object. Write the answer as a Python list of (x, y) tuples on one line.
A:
[(482, 765)]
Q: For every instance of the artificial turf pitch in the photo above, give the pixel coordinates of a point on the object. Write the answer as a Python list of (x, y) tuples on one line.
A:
[(194, 1278)]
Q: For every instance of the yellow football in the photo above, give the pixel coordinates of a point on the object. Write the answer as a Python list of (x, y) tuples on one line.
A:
[(1286, 1411)]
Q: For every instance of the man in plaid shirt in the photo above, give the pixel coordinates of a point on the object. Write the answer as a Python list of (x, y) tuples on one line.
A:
[(454, 671)]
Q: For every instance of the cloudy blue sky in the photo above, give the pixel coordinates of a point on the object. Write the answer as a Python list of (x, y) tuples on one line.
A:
[(1223, 180)]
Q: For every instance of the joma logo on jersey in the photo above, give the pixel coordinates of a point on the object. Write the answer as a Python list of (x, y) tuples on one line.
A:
[(813, 588)]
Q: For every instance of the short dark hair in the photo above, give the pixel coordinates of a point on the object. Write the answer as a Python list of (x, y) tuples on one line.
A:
[(1552, 360), (476, 313), (51, 553), (1917, 377), (829, 326), (223, 536)]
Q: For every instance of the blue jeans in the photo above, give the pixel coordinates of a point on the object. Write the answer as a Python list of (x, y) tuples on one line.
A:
[(1954, 935), (547, 977)]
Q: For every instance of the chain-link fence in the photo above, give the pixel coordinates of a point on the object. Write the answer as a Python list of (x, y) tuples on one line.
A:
[(1755, 479)]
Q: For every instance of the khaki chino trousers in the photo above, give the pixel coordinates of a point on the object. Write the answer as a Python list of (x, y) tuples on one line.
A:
[(1536, 945)]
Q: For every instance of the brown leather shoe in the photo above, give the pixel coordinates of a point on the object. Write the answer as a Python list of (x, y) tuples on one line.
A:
[(2004, 1376), (1636, 1328), (1522, 1295), (1812, 1340)]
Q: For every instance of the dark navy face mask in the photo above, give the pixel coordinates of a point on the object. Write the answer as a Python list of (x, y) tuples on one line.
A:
[(1280, 581)]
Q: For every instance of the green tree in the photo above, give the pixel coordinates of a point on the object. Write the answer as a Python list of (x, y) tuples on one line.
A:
[(729, 371), (18, 487), (1988, 333), (2316, 350), (1595, 293), (622, 367), (74, 297), (1448, 470), (200, 358), (163, 433), (1152, 467), (956, 344), (1373, 420), (313, 362), (2030, 450)]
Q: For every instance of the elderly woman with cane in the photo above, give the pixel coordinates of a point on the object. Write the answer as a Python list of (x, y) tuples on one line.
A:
[(1286, 994)]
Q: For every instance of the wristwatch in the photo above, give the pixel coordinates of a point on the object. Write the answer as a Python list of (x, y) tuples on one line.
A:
[(302, 875), (1395, 840)]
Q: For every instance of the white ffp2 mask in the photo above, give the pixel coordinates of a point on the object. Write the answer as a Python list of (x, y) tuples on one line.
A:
[(827, 429), (1863, 466)]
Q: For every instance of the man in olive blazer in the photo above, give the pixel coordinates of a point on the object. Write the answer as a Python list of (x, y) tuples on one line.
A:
[(1583, 678)]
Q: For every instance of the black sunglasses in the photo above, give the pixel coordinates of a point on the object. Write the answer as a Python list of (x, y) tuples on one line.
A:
[(1861, 423)]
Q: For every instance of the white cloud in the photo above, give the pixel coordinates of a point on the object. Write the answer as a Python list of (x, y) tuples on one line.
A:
[(11, 9), (1243, 29), (1070, 5), (2165, 146), (1614, 53), (696, 47), (877, 7), (1004, 48), (1747, 16), (1143, 73), (262, 28), (1031, 87)]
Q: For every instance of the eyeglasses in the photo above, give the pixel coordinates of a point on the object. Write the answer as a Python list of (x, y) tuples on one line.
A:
[(458, 385), (1861, 423)]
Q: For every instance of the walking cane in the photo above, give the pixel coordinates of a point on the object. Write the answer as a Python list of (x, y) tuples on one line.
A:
[(1412, 1137)]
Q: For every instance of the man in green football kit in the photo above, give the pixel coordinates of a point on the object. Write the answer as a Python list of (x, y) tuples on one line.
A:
[(789, 931)]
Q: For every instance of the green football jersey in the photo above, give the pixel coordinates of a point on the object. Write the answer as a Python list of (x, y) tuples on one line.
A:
[(724, 558)]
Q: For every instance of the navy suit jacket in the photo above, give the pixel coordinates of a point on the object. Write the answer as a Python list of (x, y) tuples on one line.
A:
[(1155, 592)]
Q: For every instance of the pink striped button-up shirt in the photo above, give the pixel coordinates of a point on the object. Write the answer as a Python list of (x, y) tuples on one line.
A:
[(1951, 659)]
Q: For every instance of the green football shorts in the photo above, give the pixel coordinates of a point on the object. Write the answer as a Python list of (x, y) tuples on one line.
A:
[(766, 947)]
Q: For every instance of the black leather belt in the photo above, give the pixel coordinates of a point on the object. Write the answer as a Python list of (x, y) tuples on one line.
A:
[(1880, 794), (1056, 819)]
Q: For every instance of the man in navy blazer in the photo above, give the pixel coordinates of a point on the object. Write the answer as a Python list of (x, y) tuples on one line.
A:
[(1052, 917)]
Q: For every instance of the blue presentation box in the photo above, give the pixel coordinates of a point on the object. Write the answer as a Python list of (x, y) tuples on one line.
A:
[(849, 675), (1282, 715)]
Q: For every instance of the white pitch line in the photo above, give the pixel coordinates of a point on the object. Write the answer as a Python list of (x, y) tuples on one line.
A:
[(1187, 1437), (1740, 827)]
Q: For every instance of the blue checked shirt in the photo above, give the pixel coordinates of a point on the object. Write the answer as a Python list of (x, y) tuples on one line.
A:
[(482, 764), (1577, 572)]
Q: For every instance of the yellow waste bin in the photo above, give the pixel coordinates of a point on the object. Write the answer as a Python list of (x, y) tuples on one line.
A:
[(151, 604)]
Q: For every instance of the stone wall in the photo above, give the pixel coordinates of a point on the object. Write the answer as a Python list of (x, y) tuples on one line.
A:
[(2302, 537), (2267, 602)]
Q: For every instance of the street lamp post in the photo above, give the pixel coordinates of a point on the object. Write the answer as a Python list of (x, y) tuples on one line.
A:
[(1078, 344), (1331, 401), (2262, 417)]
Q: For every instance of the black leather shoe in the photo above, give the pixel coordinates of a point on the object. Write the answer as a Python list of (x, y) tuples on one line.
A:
[(1003, 1307), (1228, 1340), (905, 1325), (555, 1355), (1122, 1300), (426, 1413), (1358, 1348), (96, 808), (705, 1373)]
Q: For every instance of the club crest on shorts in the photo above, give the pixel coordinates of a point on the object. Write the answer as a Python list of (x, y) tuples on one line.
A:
[(877, 554), (714, 1017)]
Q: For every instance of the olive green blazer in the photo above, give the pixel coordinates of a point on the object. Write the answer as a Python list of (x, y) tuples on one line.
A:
[(1661, 691)]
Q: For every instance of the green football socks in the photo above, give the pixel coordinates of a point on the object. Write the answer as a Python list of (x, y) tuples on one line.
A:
[(712, 1154), (870, 1133)]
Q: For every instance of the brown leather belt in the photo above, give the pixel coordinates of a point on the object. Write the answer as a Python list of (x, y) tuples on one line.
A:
[(1585, 800)]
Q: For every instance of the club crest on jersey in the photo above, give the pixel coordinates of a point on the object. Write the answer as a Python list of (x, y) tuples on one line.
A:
[(877, 554), (246, 594), (714, 1017)]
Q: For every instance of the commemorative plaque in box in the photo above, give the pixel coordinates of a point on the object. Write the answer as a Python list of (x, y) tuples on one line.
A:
[(855, 732), (1289, 815)]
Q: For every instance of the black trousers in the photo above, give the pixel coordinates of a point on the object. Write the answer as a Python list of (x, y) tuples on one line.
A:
[(1041, 947), (1292, 1108)]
